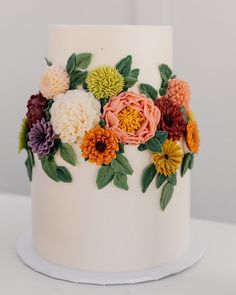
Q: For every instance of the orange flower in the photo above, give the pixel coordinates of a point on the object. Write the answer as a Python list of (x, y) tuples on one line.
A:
[(99, 146), (192, 138), (179, 92)]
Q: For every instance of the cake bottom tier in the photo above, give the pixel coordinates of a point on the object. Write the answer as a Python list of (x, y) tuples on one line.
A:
[(110, 230)]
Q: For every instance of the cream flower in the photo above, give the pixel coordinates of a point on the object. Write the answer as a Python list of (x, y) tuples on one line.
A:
[(54, 81), (73, 114)]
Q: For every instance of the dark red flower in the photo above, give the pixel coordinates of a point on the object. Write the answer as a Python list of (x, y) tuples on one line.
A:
[(172, 119), (36, 105)]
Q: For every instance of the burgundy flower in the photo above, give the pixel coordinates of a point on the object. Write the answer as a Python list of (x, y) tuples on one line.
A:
[(172, 119), (36, 105), (41, 138)]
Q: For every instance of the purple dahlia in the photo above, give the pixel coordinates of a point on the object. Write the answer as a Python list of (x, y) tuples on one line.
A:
[(41, 138)]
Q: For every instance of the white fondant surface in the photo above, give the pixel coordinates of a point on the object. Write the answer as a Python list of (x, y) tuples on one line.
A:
[(110, 230), (27, 254)]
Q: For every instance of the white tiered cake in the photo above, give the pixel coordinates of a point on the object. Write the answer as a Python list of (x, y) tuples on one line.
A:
[(110, 230)]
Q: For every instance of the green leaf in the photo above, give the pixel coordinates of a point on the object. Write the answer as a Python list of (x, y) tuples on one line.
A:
[(185, 163), (142, 147), (120, 180), (103, 102), (130, 81), (23, 135), (71, 63), (161, 136), (29, 163), (165, 72), (149, 91), (161, 178), (134, 73), (85, 86), (102, 123), (124, 65), (154, 145), (67, 153), (83, 60), (56, 146), (121, 164), (29, 169), (147, 177), (166, 195), (30, 157), (49, 63), (63, 174), (104, 176), (172, 178), (47, 110), (162, 91), (49, 167), (77, 78), (191, 162), (121, 148), (122, 160)]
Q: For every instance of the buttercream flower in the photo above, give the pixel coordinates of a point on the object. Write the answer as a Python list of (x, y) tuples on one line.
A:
[(54, 81), (41, 138), (73, 114), (192, 138), (105, 82), (168, 161), (99, 146), (191, 116), (132, 117), (36, 106), (179, 92), (172, 119)]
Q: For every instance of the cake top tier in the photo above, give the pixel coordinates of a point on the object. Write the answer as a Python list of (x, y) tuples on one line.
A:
[(148, 45)]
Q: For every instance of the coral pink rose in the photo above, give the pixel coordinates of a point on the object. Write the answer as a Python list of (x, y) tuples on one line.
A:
[(132, 117)]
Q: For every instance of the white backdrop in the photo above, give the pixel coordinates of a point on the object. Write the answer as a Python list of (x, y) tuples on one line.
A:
[(204, 54)]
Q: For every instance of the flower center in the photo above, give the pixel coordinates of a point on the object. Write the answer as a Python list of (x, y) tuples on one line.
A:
[(130, 119), (41, 137), (166, 156), (167, 120), (100, 146)]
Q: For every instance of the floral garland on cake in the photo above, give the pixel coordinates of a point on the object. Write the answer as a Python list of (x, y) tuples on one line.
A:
[(95, 110)]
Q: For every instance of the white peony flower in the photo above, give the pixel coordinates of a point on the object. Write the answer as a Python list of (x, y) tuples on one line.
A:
[(73, 114)]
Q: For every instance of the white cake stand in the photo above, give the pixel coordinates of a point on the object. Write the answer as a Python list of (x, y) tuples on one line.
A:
[(28, 256)]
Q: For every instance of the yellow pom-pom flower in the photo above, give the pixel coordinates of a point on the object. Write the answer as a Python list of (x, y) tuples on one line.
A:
[(22, 135), (105, 82), (170, 159)]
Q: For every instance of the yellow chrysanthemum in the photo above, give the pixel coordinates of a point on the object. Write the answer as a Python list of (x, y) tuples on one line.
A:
[(22, 135), (105, 82), (130, 119), (170, 159)]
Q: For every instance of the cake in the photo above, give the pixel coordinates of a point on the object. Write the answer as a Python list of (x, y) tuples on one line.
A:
[(110, 140)]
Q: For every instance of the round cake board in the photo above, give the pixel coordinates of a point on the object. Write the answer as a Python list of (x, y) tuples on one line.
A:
[(28, 256)]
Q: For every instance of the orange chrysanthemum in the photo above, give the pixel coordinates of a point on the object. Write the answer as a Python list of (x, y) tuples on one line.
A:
[(99, 145), (179, 92), (192, 138)]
